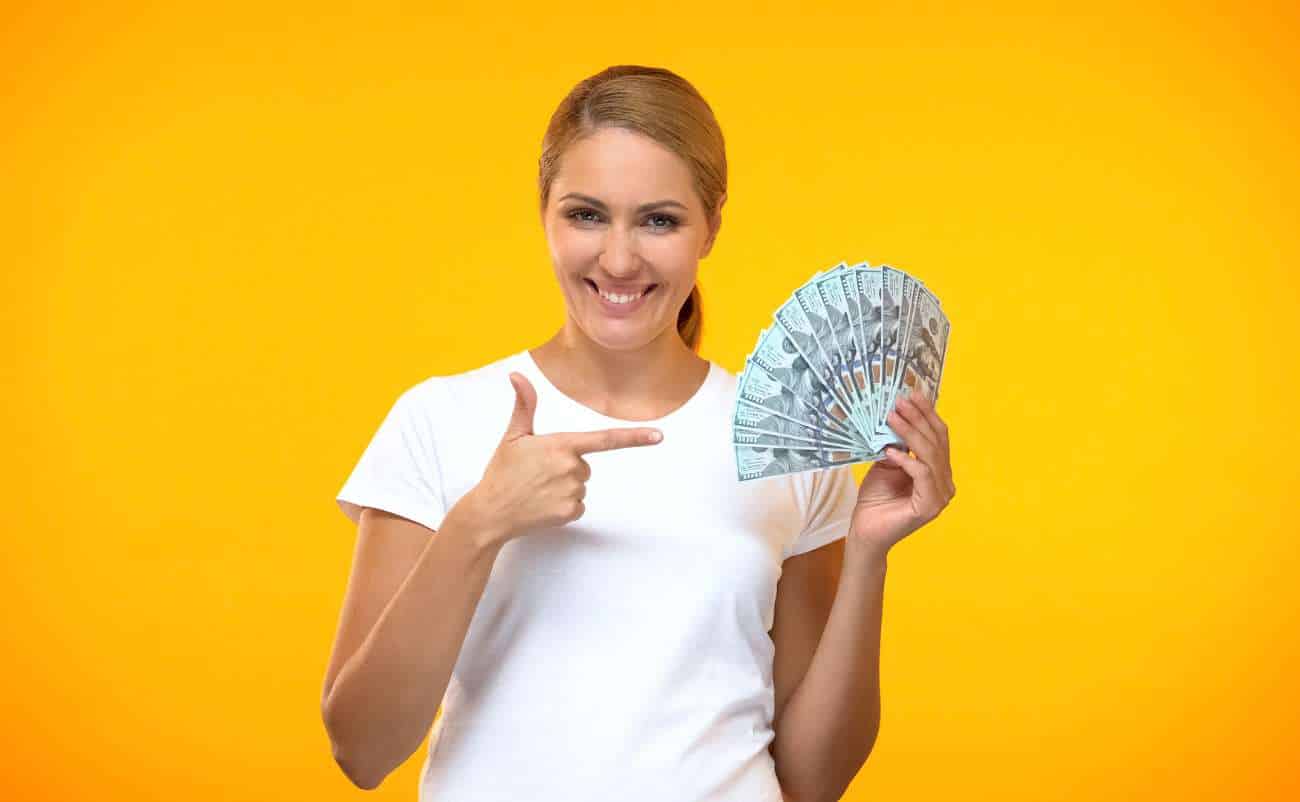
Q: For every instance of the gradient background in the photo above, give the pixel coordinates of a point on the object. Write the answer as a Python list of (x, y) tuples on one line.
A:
[(230, 238)]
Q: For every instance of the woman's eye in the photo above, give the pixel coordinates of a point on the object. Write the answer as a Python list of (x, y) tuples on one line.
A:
[(671, 221), (576, 214), (660, 222)]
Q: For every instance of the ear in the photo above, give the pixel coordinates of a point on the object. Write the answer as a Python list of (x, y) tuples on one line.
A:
[(714, 225)]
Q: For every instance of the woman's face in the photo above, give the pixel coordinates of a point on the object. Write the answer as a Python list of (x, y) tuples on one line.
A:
[(626, 231)]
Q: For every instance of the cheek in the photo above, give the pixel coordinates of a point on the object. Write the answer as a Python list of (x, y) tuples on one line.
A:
[(674, 258), (573, 249)]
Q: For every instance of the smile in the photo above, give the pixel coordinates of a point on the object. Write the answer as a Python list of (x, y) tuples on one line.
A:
[(622, 300)]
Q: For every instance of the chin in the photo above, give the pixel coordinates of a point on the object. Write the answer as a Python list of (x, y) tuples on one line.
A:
[(615, 340)]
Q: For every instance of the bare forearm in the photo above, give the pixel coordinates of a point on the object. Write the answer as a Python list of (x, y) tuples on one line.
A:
[(829, 725), (385, 696)]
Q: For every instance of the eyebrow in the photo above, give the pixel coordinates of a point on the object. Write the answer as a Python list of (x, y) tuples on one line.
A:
[(642, 208)]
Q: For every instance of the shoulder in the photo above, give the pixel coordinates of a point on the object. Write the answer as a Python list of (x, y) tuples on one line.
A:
[(723, 385), (465, 391), (457, 413)]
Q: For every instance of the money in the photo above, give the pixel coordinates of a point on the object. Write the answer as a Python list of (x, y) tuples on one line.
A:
[(927, 344), (817, 389), (754, 462), (778, 377), (752, 416)]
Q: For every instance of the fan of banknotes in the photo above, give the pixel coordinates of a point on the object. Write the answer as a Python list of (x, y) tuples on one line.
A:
[(817, 388)]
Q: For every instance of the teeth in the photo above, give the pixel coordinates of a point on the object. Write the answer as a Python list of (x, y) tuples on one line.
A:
[(620, 299)]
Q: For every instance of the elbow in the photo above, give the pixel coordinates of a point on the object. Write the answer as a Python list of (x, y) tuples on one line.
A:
[(831, 782), (837, 792), (361, 779), (358, 773)]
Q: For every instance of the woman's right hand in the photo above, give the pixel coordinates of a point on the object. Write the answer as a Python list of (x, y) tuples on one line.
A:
[(537, 480)]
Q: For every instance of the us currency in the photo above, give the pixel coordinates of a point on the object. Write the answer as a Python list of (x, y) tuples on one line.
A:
[(809, 298), (757, 462), (751, 416), (744, 436), (779, 378), (808, 301), (844, 344), (860, 361), (867, 285), (927, 345), (795, 327), (891, 307), (906, 312)]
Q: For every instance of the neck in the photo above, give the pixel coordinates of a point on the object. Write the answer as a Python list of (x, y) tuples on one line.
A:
[(645, 382)]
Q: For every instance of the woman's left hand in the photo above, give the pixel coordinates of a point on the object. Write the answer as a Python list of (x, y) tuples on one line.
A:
[(903, 492)]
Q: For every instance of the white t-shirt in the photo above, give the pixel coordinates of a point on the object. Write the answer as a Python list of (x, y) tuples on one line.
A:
[(625, 655)]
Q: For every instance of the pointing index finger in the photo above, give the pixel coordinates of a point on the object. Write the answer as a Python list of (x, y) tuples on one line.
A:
[(611, 439)]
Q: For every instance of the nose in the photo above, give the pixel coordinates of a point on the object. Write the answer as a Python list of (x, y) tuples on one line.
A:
[(618, 255)]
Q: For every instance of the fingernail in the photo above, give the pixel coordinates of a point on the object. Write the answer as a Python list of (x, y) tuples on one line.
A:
[(655, 437)]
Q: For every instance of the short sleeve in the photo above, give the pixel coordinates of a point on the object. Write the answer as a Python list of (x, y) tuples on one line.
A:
[(828, 497), (398, 471)]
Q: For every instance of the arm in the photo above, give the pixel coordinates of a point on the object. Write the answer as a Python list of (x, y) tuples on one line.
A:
[(827, 668), (831, 716), (413, 592), (409, 603)]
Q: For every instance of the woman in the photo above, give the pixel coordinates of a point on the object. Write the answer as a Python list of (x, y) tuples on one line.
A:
[(554, 546)]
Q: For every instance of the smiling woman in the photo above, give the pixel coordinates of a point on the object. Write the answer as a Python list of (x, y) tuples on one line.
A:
[(628, 267), (631, 111), (620, 643)]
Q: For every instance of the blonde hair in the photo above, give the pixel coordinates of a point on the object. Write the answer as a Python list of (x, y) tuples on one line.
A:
[(661, 105)]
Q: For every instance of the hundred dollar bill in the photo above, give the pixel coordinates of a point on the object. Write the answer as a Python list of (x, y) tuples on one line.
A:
[(927, 345), (806, 334), (844, 342), (785, 354), (757, 462), (891, 304), (742, 435), (750, 416), (867, 285), (912, 293), (809, 300), (859, 362), (777, 377), (913, 290)]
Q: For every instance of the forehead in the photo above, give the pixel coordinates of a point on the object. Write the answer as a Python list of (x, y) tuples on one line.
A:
[(624, 168)]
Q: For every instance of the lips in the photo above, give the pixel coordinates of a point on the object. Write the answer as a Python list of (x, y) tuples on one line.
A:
[(620, 296)]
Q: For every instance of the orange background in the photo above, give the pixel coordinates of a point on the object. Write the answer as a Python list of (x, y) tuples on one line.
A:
[(231, 237)]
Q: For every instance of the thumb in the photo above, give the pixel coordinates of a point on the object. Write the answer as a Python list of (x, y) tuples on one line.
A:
[(521, 417)]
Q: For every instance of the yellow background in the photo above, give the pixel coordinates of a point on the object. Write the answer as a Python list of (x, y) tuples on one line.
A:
[(231, 237)]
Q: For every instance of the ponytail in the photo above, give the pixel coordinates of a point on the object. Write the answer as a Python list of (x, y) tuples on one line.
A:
[(690, 319)]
